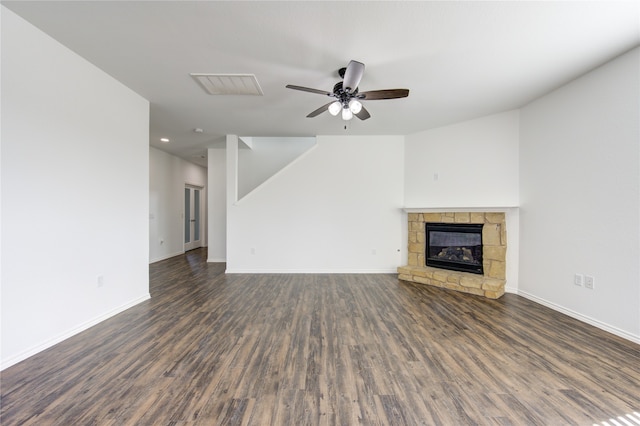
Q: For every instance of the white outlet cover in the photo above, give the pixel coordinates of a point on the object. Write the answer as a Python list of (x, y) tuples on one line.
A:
[(589, 282)]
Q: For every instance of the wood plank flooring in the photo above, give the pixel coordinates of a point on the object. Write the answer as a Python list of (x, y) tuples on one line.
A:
[(332, 349)]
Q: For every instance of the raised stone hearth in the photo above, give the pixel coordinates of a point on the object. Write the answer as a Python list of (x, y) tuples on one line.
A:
[(494, 241)]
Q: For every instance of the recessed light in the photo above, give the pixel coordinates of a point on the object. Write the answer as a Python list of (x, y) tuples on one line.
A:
[(164, 140)]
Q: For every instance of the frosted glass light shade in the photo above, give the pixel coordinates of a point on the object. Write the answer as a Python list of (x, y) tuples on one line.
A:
[(334, 108), (346, 114), (355, 106)]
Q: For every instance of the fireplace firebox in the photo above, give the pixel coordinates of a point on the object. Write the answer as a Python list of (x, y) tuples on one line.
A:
[(454, 246)]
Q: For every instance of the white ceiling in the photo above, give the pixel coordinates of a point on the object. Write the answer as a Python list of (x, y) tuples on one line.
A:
[(460, 60)]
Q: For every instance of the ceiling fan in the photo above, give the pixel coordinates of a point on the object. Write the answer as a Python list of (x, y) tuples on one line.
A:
[(346, 94)]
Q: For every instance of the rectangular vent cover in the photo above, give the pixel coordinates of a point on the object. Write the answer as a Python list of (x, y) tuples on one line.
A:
[(229, 84)]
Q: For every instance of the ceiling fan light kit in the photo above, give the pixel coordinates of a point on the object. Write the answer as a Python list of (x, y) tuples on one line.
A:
[(355, 106), (335, 108), (348, 96)]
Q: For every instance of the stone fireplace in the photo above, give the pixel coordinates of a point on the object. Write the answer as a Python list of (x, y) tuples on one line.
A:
[(490, 283)]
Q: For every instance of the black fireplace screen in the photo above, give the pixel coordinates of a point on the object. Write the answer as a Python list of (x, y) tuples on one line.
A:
[(454, 246)]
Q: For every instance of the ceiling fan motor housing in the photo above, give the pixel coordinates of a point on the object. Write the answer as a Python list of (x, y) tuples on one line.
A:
[(343, 96)]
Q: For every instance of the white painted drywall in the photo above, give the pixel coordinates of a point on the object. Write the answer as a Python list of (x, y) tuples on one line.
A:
[(266, 157), (580, 196), (469, 164), (337, 208), (168, 175), (75, 193), (217, 205)]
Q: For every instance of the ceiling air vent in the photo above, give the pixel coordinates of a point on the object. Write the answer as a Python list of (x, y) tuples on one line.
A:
[(229, 84)]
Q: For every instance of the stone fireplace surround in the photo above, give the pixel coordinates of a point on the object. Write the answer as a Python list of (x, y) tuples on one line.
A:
[(494, 240)]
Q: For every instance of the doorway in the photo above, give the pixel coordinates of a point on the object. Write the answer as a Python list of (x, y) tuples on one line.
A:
[(192, 217)]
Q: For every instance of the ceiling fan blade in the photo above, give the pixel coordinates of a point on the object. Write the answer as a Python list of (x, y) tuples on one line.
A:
[(384, 94), (363, 114), (319, 111), (308, 89), (352, 76)]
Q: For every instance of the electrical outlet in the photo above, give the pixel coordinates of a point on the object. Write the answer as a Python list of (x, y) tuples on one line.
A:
[(100, 281), (589, 282), (578, 279)]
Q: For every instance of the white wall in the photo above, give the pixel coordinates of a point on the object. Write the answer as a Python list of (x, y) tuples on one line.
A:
[(265, 157), (217, 205), (168, 175), (328, 211), (75, 188), (476, 163), (469, 164), (580, 197)]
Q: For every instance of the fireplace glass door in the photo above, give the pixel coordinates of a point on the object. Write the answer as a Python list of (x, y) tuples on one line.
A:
[(454, 246)]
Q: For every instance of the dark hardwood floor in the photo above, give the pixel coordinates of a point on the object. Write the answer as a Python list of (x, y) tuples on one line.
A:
[(335, 349)]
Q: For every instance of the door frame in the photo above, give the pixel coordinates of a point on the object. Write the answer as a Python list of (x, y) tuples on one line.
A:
[(203, 218)]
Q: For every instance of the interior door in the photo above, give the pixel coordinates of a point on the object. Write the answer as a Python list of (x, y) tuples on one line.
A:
[(192, 218)]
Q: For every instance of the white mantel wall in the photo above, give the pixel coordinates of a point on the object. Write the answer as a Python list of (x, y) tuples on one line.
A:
[(468, 164), (75, 193), (468, 167)]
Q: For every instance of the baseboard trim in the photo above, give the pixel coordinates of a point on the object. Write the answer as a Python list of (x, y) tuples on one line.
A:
[(214, 260), (594, 322), (512, 290), (165, 257), (312, 271), (69, 333)]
